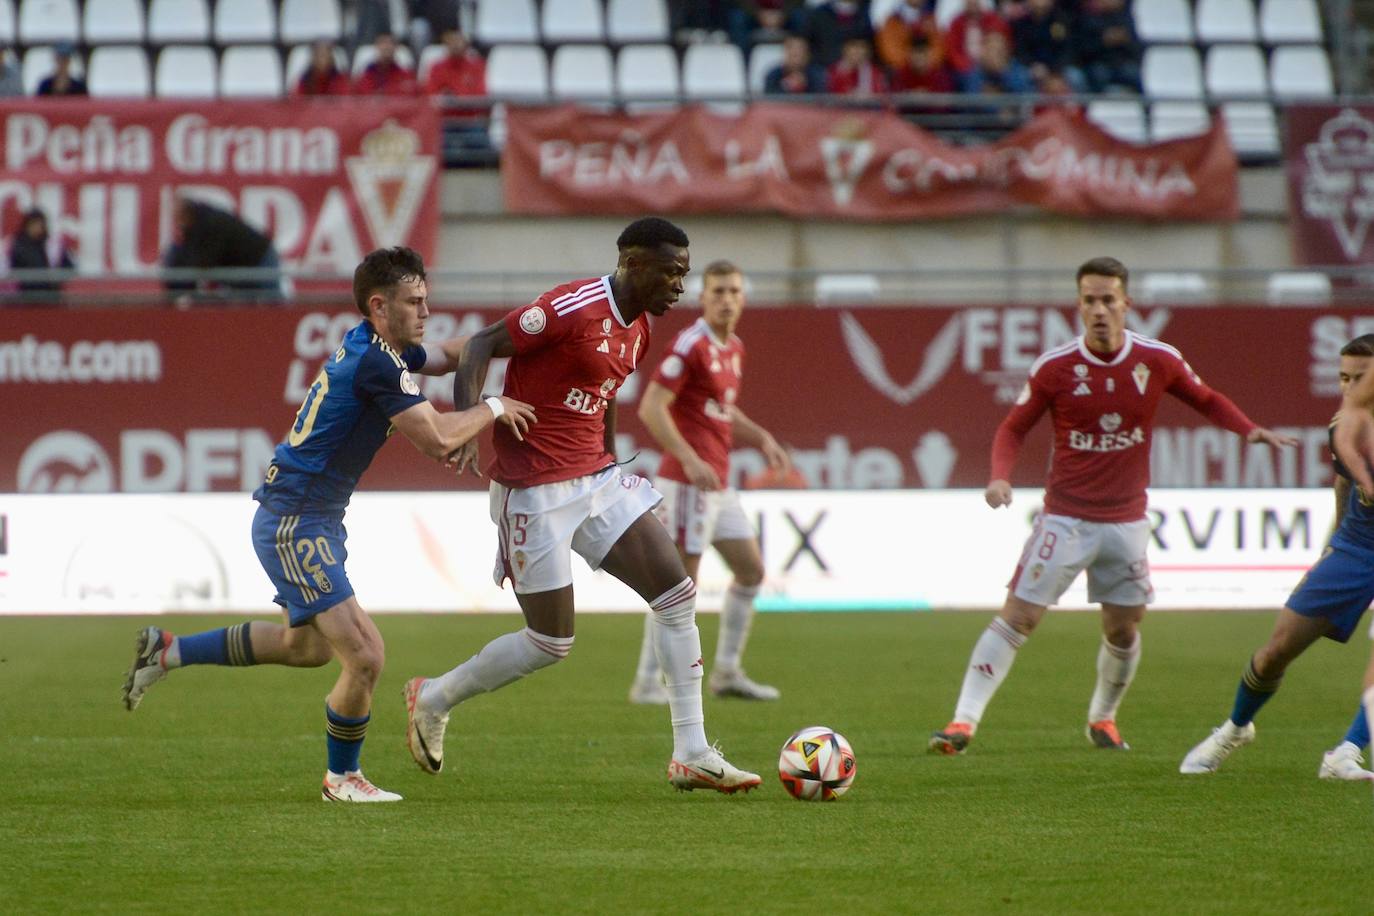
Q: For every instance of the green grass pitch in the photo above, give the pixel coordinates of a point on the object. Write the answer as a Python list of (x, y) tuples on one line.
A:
[(207, 798)]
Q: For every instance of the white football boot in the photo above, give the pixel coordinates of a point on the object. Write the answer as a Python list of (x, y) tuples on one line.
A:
[(1216, 747), (424, 730), (738, 684), (649, 693), (353, 787), (710, 770), (1343, 762), (147, 668)]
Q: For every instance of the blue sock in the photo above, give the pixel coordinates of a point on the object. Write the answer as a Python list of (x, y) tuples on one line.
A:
[(227, 646), (1252, 693), (1358, 734), (344, 738)]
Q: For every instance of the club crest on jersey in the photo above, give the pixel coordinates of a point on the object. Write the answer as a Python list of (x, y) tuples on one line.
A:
[(1141, 375), (408, 384), (532, 321), (322, 581), (1110, 422), (605, 327), (1080, 370)]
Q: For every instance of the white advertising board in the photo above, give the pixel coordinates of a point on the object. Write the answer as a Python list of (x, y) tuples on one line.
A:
[(824, 550)]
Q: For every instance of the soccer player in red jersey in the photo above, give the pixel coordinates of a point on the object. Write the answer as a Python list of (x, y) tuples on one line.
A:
[(560, 491), (691, 409), (1101, 391)]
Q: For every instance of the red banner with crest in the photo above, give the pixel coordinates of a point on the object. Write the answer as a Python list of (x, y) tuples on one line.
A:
[(1330, 166), (328, 182), (869, 165)]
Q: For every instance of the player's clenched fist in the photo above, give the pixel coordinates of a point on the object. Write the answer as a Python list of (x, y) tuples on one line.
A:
[(998, 494)]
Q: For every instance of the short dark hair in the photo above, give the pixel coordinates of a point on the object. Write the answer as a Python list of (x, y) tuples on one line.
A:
[(1104, 267), (382, 270), (651, 232), (1360, 346), (721, 268)]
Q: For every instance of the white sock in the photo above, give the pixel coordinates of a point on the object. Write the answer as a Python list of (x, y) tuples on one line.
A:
[(987, 669), (736, 614), (1115, 671), (1368, 701), (503, 660), (678, 644), (648, 671), (171, 656)]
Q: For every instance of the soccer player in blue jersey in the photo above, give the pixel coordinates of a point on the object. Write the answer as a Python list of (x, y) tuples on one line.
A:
[(1329, 601), (363, 392)]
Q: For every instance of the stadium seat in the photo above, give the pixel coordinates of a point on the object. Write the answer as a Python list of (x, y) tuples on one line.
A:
[(117, 72), (1172, 120), (572, 20), (647, 71), (518, 71), (762, 59), (1159, 21), (714, 71), (636, 20), (1300, 70), (1299, 287), (250, 71), (186, 72), (8, 35), (431, 55), (1172, 72), (366, 54), (112, 21), (43, 21), (172, 21), (244, 22), (1122, 118), (945, 11), (1236, 70), (1252, 127), (1225, 20), (582, 72), (1179, 288), (1286, 21), (310, 20), (846, 289), (38, 64), (506, 21)]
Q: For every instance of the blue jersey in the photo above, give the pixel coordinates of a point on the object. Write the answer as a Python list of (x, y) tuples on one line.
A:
[(344, 420), (1357, 525)]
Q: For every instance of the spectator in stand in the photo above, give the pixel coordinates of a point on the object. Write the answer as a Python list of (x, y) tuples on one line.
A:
[(429, 18), (997, 71), (1109, 47), (754, 22), (699, 20), (462, 72), (833, 23), (1043, 39), (967, 31), (62, 81), (855, 73), (912, 20), (208, 238), (385, 75), (11, 81), (34, 249), (923, 71), (796, 74), (323, 76)]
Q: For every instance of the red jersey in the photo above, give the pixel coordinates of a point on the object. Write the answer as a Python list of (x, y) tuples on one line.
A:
[(1104, 412), (572, 352), (704, 375)]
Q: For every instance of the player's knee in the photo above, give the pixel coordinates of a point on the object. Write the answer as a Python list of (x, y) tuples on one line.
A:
[(306, 648), (367, 660), (677, 607), (749, 576), (541, 651), (1120, 633)]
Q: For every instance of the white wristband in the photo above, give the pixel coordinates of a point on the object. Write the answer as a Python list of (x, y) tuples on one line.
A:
[(497, 408)]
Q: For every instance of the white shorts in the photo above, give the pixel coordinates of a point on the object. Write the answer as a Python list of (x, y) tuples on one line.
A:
[(696, 518), (1060, 548), (539, 527)]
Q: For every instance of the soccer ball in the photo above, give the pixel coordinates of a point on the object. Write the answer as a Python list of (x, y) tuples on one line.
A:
[(816, 764)]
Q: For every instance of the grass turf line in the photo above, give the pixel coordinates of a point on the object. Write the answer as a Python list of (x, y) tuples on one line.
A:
[(554, 795)]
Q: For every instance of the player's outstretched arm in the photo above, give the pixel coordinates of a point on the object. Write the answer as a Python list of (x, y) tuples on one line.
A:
[(438, 435), (1269, 437), (747, 432), (476, 355), (1352, 432), (654, 414), (443, 357)]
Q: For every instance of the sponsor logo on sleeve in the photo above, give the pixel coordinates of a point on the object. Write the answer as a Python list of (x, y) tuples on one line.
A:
[(672, 366), (533, 320), (408, 384)]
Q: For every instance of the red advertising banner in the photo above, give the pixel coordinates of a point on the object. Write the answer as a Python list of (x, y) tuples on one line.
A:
[(141, 401), (869, 165), (328, 182), (1330, 165)]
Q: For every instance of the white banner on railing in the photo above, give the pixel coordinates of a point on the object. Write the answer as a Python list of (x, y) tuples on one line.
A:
[(824, 550)]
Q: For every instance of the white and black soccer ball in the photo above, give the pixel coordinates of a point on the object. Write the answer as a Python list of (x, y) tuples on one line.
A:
[(816, 764)]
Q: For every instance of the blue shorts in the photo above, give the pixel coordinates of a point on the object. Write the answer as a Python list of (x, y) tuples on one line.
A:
[(304, 557), (1339, 588)]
